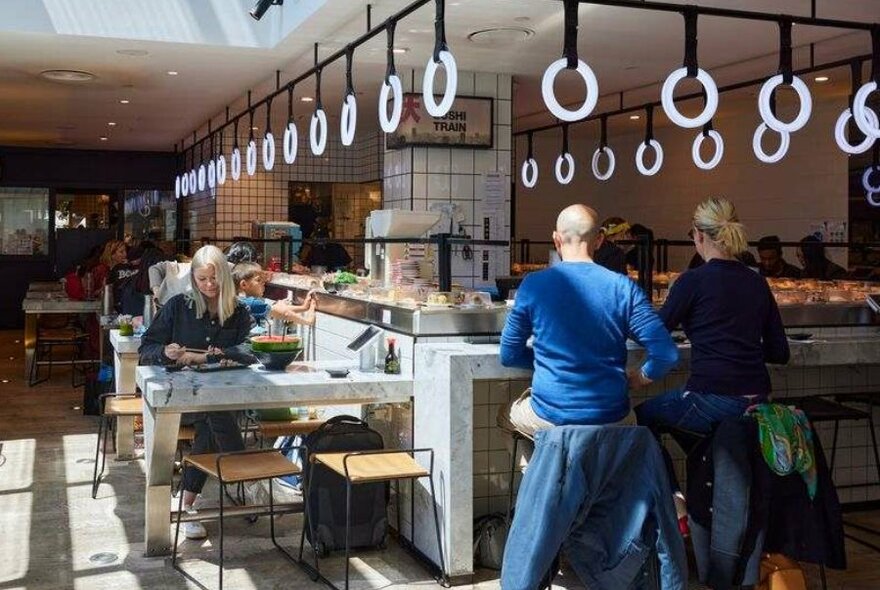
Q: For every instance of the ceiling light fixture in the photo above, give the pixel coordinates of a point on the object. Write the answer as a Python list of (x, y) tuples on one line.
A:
[(307, 99), (635, 117), (401, 49), (500, 35), (67, 75), (172, 73), (262, 6), (103, 138), (124, 101), (112, 124), (821, 78)]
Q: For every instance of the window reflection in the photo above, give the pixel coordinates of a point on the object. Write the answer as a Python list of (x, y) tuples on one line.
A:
[(24, 221)]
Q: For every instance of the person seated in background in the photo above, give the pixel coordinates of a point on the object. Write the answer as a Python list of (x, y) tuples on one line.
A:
[(811, 254), (250, 279), (122, 278), (242, 251), (773, 265), (169, 278), (327, 254), (607, 252), (115, 253), (580, 315), (74, 280), (640, 232)]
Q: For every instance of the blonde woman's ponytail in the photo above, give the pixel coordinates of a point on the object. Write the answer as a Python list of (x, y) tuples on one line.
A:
[(731, 238), (716, 217)]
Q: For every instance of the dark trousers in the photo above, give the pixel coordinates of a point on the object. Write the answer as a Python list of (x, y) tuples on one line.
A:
[(216, 432)]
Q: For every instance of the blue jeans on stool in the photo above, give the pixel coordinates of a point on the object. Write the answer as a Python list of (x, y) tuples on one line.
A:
[(688, 416)]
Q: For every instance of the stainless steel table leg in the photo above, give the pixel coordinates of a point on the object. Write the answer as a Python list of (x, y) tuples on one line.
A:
[(160, 442), (30, 341), (125, 438)]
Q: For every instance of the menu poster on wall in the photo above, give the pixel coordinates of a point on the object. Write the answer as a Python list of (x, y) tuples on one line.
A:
[(468, 124), (494, 220)]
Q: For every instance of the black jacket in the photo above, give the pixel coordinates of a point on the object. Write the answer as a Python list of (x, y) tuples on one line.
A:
[(747, 509), (611, 257)]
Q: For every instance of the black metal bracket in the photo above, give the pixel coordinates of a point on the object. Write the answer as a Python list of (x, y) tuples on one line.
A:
[(785, 63), (649, 123), (349, 61), (603, 131), (690, 15), (569, 48), (390, 70), (439, 29), (318, 104)]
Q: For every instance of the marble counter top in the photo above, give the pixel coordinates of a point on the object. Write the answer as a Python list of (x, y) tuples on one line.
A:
[(301, 384), (124, 344), (59, 306)]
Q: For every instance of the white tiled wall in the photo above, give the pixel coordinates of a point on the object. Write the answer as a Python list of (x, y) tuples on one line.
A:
[(417, 177), (808, 185)]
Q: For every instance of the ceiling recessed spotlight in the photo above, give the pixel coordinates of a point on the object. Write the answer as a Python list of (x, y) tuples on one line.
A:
[(67, 75), (103, 138), (635, 117), (255, 128), (401, 49), (172, 73), (821, 78), (124, 101), (307, 99), (112, 123), (5, 381), (133, 52), (500, 35)]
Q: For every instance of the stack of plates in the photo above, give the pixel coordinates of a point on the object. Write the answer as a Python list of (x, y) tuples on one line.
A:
[(404, 272)]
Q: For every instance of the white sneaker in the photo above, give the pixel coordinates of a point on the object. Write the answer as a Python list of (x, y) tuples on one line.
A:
[(194, 530)]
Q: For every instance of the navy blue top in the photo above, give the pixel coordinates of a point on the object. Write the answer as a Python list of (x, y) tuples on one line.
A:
[(580, 315), (733, 323)]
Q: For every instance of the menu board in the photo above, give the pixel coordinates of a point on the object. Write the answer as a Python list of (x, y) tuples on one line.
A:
[(468, 123)]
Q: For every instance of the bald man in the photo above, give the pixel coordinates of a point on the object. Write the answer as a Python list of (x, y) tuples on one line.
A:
[(580, 316)]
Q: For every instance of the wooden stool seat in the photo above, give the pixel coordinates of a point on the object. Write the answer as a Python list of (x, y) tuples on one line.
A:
[(244, 466), (124, 406), (275, 428), (187, 433), (60, 334), (372, 467)]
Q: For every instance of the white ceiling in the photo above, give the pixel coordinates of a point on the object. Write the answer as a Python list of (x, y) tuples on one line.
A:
[(628, 49)]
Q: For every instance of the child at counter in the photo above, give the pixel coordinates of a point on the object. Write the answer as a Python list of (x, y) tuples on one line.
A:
[(250, 279)]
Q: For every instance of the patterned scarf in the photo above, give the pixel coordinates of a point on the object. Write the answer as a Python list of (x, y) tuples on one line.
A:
[(786, 439)]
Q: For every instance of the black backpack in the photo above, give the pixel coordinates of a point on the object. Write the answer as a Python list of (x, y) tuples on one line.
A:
[(326, 490)]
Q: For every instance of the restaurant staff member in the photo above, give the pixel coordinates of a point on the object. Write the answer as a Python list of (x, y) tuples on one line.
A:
[(731, 319), (210, 320), (811, 255), (773, 265), (608, 253)]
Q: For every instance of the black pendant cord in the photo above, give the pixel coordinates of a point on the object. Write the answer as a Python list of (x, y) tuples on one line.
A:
[(211, 135), (707, 127), (603, 132), (390, 69), (875, 156), (565, 139), (531, 152), (235, 134), (875, 52), (268, 117), (319, 105), (649, 124), (193, 151), (785, 61), (690, 62), (201, 153), (439, 29), (251, 114), (570, 41), (349, 62), (855, 69), (290, 103)]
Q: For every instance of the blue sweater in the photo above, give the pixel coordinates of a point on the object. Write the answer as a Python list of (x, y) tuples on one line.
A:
[(733, 323), (581, 315)]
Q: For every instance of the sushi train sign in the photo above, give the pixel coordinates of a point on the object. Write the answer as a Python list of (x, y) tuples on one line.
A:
[(469, 123)]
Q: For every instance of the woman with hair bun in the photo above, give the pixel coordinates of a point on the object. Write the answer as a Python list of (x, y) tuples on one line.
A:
[(731, 319)]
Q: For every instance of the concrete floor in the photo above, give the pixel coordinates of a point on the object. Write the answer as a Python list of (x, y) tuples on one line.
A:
[(54, 536)]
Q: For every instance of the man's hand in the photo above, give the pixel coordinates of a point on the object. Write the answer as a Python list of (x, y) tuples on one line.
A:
[(174, 351), (637, 379), (189, 359)]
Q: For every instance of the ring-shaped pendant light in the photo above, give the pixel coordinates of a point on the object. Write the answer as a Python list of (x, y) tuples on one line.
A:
[(568, 159), (177, 187), (758, 148), (235, 163), (348, 120), (391, 85), (612, 163), (871, 197), (440, 109), (193, 181), (318, 132), (251, 162), (529, 173), (640, 157), (184, 184), (268, 151), (719, 150), (221, 169), (668, 100), (861, 110), (772, 121), (840, 133), (290, 142), (212, 174), (202, 177), (549, 94), (866, 179), (440, 55)]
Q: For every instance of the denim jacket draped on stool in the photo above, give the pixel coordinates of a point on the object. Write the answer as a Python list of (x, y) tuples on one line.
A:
[(602, 494)]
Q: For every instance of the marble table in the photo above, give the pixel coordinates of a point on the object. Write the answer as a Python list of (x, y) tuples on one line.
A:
[(125, 360), (34, 307), (169, 395), (43, 286)]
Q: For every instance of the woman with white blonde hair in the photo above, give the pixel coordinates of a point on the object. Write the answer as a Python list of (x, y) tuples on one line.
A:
[(731, 319), (206, 325)]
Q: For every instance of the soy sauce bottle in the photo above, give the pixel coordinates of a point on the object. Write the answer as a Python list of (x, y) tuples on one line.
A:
[(392, 361)]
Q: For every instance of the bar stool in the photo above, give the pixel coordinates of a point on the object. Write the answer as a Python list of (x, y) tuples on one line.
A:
[(361, 467), (56, 333), (238, 468), (114, 405)]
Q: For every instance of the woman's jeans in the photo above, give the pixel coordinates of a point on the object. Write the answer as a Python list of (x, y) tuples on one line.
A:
[(216, 432), (688, 416)]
